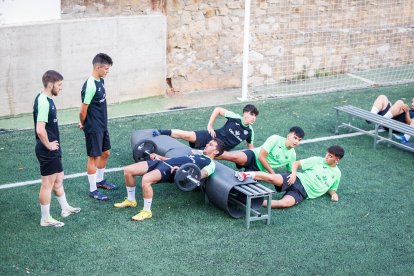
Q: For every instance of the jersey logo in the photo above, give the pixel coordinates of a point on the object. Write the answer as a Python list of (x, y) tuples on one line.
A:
[(246, 132), (103, 98), (237, 124)]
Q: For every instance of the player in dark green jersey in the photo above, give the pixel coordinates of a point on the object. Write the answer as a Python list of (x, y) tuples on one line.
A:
[(48, 151), (94, 123)]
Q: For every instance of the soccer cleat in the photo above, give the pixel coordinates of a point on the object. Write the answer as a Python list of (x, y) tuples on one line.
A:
[(105, 185), (142, 215), (97, 195), (400, 138), (241, 176), (156, 132), (69, 211), (51, 222), (125, 203)]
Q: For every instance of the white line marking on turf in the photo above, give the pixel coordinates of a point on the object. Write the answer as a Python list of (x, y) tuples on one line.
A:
[(75, 175), (361, 78)]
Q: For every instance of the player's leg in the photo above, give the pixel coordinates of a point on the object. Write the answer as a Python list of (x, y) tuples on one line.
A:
[(380, 104), (148, 180), (60, 194), (189, 136), (238, 157), (130, 172), (45, 195), (396, 109), (101, 182), (286, 202)]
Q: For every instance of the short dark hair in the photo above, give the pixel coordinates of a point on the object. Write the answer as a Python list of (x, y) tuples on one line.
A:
[(337, 151), (251, 109), (102, 58), (220, 146), (298, 131), (51, 76)]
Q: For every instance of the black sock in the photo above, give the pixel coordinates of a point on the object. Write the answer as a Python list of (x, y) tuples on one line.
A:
[(165, 132)]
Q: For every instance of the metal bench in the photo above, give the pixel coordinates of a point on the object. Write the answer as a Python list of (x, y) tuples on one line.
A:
[(377, 120)]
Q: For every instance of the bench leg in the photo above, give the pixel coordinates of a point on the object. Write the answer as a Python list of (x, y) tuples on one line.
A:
[(269, 209), (375, 136), (248, 206), (337, 122)]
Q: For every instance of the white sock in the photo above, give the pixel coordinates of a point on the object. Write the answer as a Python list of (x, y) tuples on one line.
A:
[(251, 174), (131, 193), (100, 174), (92, 182), (374, 110), (407, 137), (63, 202), (147, 204), (388, 115), (45, 211)]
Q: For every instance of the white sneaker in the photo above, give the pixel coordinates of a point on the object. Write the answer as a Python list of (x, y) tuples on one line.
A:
[(51, 222), (69, 211)]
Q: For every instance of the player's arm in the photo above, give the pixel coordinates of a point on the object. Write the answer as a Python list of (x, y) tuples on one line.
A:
[(82, 114), (216, 112), (292, 177), (154, 156), (42, 134), (407, 114), (249, 146), (208, 170), (262, 159), (334, 195)]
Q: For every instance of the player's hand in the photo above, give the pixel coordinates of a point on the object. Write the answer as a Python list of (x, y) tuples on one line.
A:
[(405, 108), (291, 178), (334, 197), (80, 125), (211, 131), (173, 169), (154, 156), (53, 145)]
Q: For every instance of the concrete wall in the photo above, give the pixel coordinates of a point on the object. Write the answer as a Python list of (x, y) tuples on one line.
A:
[(135, 43)]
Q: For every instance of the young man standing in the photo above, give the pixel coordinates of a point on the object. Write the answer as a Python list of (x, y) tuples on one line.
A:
[(236, 129), (319, 176), (48, 151), (276, 152), (156, 170), (93, 119)]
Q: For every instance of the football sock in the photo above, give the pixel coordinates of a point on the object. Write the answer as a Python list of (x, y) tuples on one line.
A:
[(165, 132), (131, 193), (45, 211), (374, 110), (147, 204), (388, 115), (100, 174), (63, 202), (92, 182)]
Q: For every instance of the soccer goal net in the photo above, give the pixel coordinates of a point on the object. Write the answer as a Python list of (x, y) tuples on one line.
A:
[(316, 46)]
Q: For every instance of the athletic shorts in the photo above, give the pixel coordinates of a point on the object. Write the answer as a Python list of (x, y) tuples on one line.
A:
[(96, 143), (250, 164), (166, 175), (399, 118), (202, 138), (296, 190), (50, 162)]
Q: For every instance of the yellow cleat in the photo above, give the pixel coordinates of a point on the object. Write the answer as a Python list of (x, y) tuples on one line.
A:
[(142, 215), (126, 203)]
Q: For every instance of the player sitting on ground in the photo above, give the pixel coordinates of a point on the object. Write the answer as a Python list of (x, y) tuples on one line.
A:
[(398, 111), (276, 152), (235, 130), (319, 176), (156, 171)]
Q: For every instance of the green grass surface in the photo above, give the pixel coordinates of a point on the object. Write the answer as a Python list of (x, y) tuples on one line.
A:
[(368, 232)]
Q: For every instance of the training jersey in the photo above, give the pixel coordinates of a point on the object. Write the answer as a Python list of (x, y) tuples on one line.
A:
[(202, 161), (318, 177), (234, 132), (93, 94), (278, 154), (44, 110)]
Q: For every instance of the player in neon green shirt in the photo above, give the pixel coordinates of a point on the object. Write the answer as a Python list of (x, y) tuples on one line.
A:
[(318, 176), (276, 152)]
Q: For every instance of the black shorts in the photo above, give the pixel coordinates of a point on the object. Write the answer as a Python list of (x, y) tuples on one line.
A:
[(399, 118), (96, 143), (296, 190), (250, 164), (202, 138), (166, 175), (50, 162)]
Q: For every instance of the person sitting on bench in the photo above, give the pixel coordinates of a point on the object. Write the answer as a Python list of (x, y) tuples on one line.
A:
[(276, 152), (398, 111), (162, 169), (319, 176), (236, 129)]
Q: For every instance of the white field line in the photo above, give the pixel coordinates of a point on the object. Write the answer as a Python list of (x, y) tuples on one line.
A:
[(361, 79), (75, 175)]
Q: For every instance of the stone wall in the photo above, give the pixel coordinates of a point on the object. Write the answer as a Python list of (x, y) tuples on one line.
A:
[(291, 39)]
